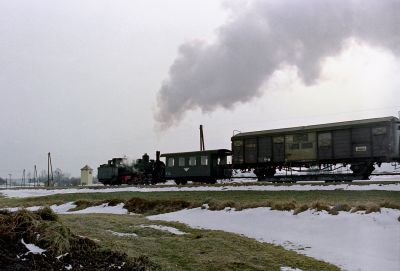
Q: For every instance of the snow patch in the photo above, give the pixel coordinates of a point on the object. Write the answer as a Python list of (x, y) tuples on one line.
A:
[(164, 228), (284, 268), (103, 209), (122, 234), (63, 208), (62, 255), (353, 241), (32, 248)]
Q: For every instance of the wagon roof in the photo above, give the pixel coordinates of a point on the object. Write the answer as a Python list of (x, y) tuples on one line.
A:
[(218, 151), (343, 124)]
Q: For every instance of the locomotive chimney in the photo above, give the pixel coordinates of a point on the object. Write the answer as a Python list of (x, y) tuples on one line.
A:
[(157, 156)]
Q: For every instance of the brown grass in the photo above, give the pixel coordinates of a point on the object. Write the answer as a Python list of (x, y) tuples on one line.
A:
[(284, 206), (320, 206), (301, 208), (142, 206), (339, 207), (368, 208), (389, 204)]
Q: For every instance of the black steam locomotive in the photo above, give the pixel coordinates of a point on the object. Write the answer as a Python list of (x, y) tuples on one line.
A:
[(361, 144), (142, 171)]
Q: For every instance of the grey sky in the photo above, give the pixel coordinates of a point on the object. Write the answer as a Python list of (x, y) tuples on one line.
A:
[(80, 79)]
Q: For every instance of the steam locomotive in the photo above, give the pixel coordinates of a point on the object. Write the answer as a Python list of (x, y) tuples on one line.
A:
[(142, 171), (361, 144)]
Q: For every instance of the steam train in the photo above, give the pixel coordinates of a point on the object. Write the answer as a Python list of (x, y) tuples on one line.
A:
[(308, 150)]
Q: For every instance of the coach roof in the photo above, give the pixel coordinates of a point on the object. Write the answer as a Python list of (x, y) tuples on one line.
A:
[(327, 126)]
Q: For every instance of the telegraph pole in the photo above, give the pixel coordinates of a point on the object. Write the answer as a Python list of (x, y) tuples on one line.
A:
[(35, 176), (23, 178), (49, 170)]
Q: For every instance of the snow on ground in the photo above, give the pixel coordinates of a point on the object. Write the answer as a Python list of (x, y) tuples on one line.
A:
[(64, 209), (284, 268), (24, 193), (164, 228), (122, 234), (14, 209), (32, 248), (103, 209), (353, 241)]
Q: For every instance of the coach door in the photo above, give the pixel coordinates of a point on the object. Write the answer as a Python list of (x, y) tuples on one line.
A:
[(380, 141), (361, 142), (278, 149)]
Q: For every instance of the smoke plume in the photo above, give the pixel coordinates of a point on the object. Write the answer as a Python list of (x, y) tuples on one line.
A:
[(263, 36)]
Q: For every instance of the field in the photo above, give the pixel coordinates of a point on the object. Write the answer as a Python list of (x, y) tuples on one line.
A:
[(202, 249), (222, 199)]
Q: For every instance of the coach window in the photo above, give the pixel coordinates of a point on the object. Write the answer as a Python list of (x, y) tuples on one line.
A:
[(192, 161), (294, 146), (181, 161), (204, 160), (171, 162), (222, 160), (307, 145), (379, 130)]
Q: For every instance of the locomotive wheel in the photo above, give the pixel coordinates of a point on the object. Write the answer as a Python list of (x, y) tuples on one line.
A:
[(180, 182), (265, 173)]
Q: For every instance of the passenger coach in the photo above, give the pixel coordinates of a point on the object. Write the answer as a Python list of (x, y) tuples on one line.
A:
[(204, 166), (361, 144)]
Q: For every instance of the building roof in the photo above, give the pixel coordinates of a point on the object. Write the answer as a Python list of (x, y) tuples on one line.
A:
[(86, 168), (340, 125)]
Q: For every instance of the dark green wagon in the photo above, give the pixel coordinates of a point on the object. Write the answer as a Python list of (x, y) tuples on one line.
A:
[(197, 166)]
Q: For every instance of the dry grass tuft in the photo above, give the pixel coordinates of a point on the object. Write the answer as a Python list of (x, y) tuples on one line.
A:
[(55, 237), (389, 204), (284, 206), (249, 205), (372, 208), (368, 208), (220, 205), (300, 209), (46, 213), (339, 207), (320, 206), (141, 206), (113, 202)]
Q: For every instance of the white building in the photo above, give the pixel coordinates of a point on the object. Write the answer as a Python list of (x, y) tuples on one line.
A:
[(86, 175)]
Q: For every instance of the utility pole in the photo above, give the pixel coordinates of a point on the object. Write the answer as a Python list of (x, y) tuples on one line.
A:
[(49, 170), (202, 148), (34, 176), (10, 180), (23, 178)]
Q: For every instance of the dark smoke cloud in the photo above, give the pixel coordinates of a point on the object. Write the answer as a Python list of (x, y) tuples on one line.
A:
[(261, 38)]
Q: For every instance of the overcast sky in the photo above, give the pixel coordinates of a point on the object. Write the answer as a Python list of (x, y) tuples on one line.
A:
[(92, 80)]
